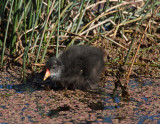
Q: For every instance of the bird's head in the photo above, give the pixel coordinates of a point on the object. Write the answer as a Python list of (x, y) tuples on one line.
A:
[(54, 68)]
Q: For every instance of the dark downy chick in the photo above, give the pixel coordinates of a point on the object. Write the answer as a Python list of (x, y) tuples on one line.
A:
[(79, 67)]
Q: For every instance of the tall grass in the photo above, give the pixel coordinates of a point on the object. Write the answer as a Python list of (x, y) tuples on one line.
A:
[(32, 27)]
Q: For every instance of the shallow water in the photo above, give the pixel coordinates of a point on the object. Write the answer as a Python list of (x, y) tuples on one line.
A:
[(144, 102), (31, 104)]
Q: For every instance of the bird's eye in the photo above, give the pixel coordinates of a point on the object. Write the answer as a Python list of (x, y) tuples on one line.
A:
[(53, 67)]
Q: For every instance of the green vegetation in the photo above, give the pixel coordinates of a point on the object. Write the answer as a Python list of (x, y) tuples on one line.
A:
[(28, 29)]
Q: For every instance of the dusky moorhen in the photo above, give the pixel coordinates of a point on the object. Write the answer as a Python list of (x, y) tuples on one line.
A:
[(78, 67)]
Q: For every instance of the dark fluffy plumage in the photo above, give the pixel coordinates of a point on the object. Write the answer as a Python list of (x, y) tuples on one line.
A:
[(78, 67)]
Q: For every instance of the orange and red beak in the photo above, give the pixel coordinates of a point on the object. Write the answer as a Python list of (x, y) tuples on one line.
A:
[(47, 74)]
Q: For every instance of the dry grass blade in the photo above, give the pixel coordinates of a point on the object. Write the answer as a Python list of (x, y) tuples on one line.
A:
[(133, 60)]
